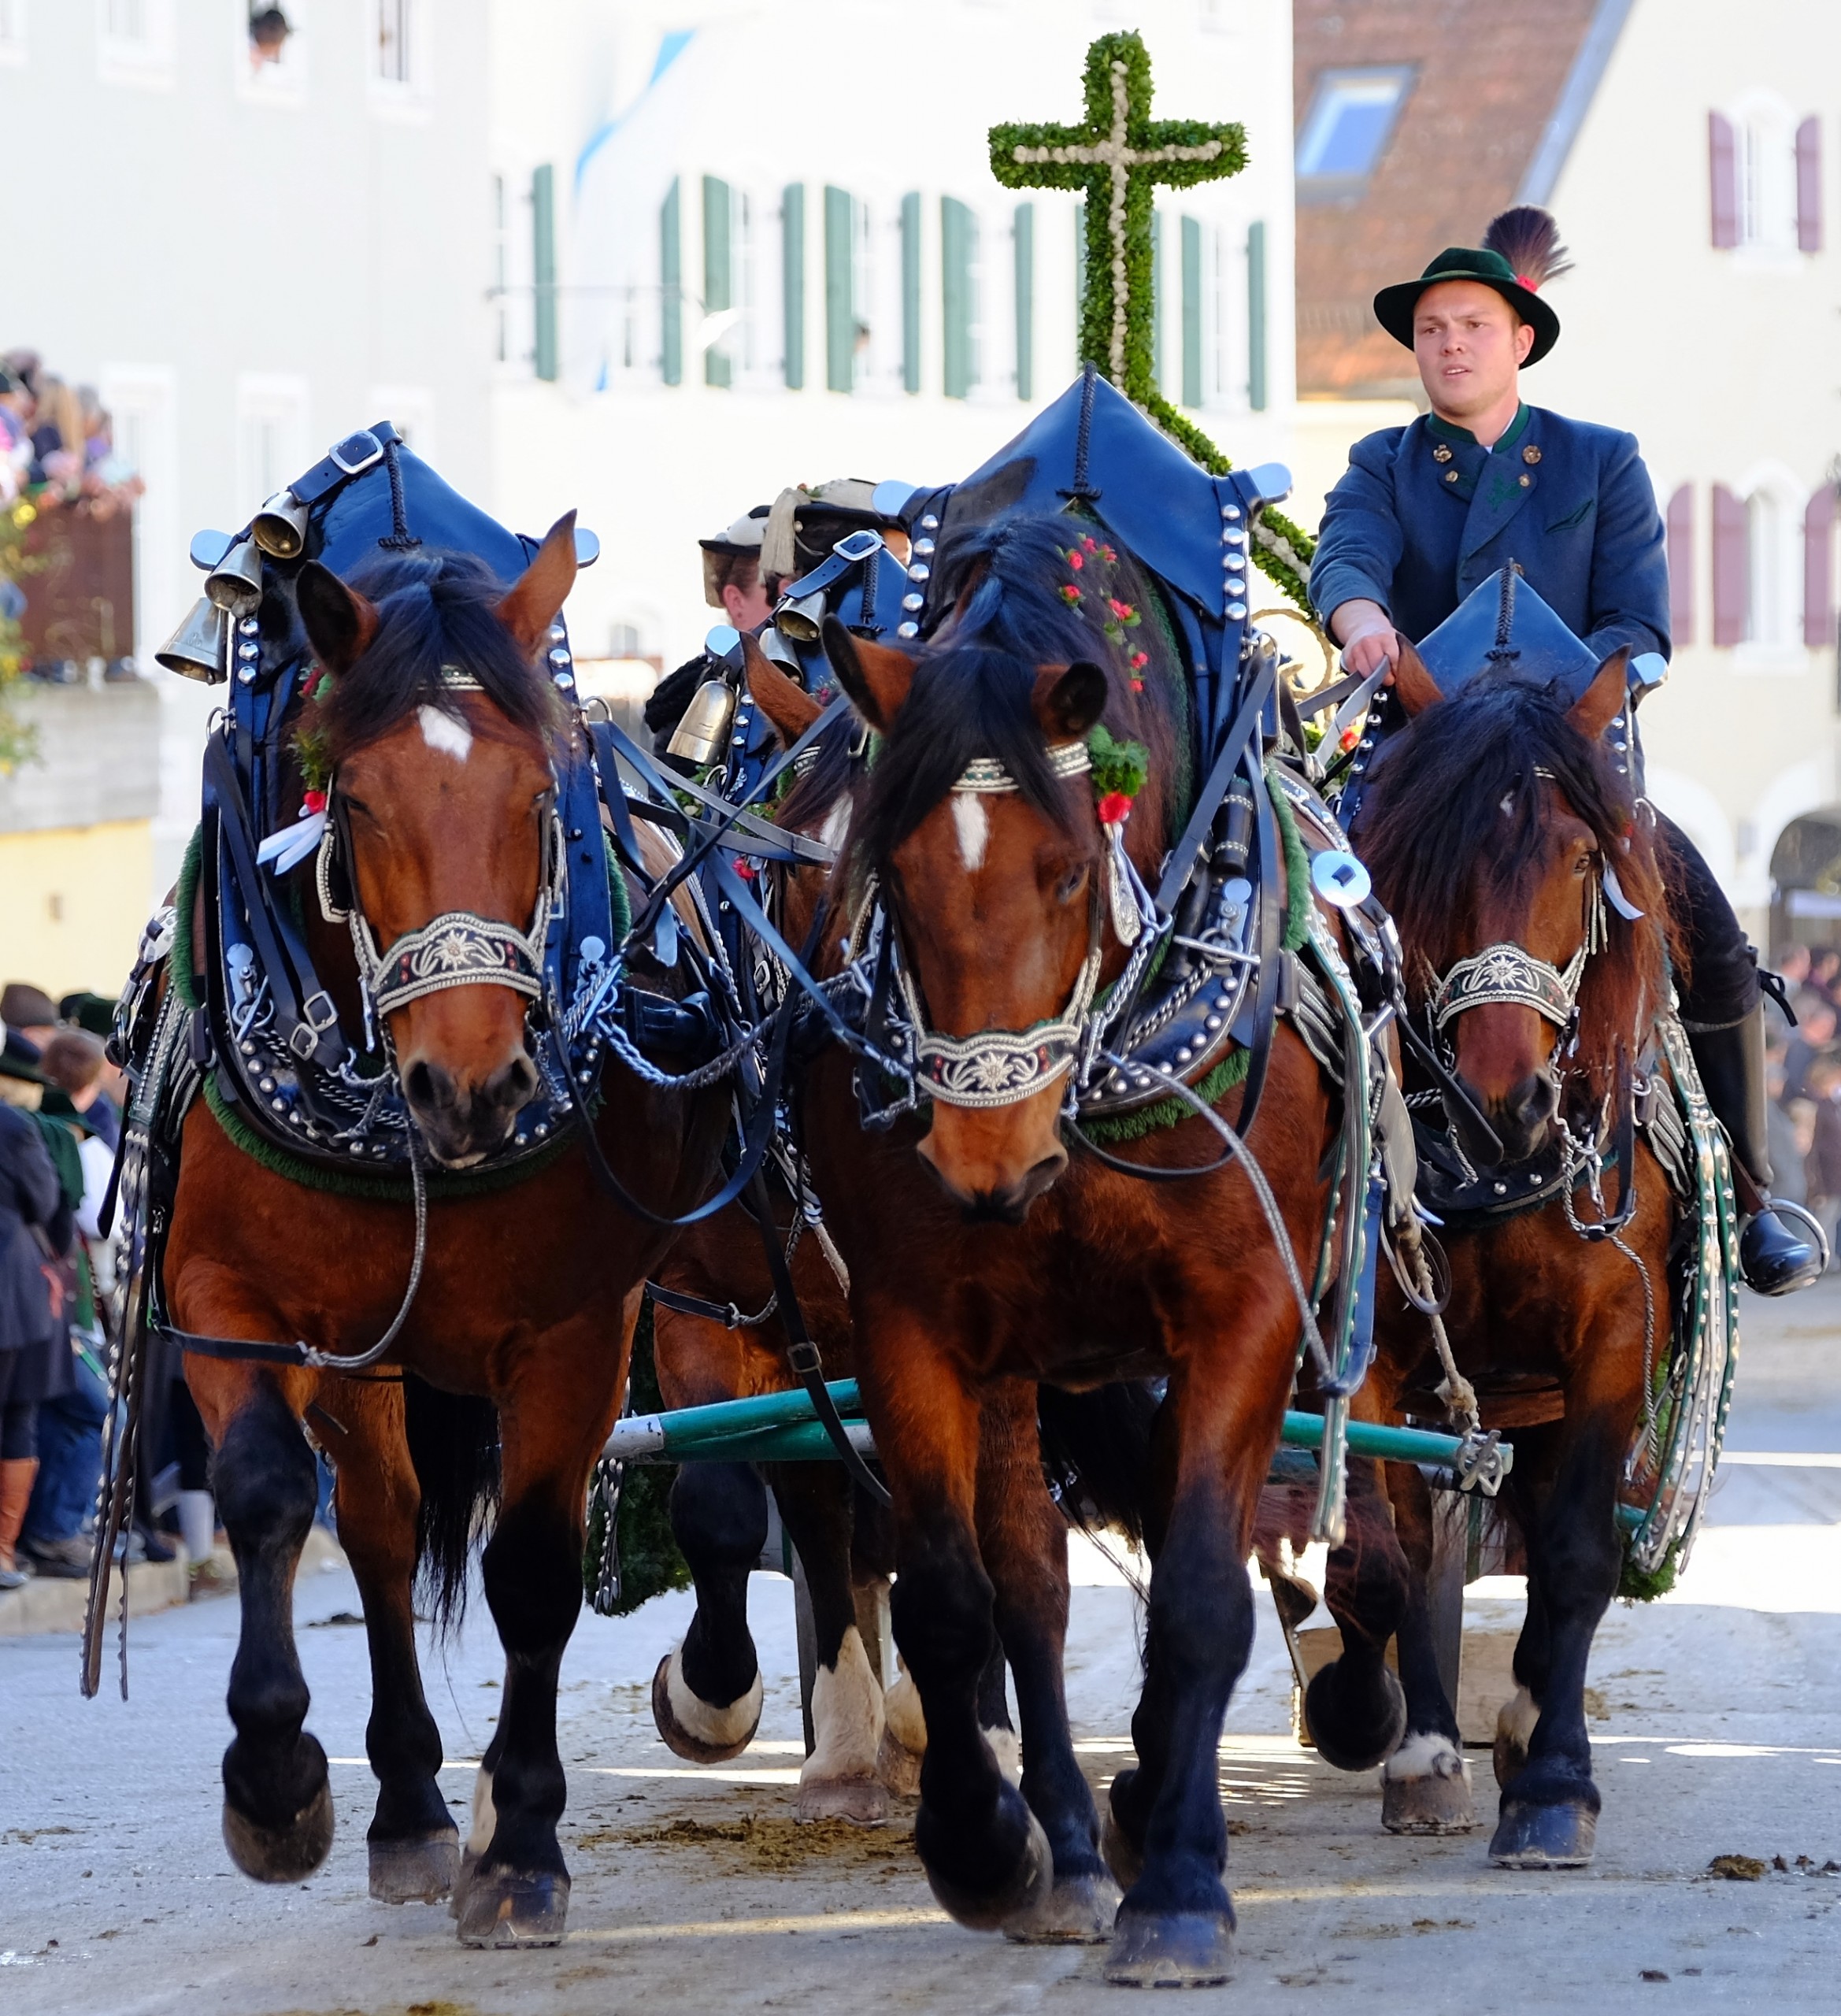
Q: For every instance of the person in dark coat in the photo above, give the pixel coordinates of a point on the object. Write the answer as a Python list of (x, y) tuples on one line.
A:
[(32, 1202), (1427, 513)]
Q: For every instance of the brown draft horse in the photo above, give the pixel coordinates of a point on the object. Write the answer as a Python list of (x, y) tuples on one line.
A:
[(981, 1252), (528, 1294), (1494, 821), (706, 1695)]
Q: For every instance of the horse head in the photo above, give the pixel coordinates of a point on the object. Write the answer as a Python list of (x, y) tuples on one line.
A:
[(1504, 839), (979, 823), (434, 725)]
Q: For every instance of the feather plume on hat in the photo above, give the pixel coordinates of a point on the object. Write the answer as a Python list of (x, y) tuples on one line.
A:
[(1527, 237)]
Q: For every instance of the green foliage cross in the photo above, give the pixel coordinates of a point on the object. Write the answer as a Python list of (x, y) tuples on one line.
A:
[(1117, 158)]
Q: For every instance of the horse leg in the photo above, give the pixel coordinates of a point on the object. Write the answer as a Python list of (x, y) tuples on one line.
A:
[(555, 1407), (706, 1695), (277, 1802), (986, 1855), (413, 1844), (1425, 1784), (1023, 1540), (1353, 1705), (1176, 1924), (837, 1781), (1550, 1807)]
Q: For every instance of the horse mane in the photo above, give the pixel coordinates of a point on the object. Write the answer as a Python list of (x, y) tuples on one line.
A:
[(1432, 832), (435, 609), (1005, 581)]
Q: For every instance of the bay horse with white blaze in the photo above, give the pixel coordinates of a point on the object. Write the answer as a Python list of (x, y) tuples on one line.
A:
[(442, 732), (1499, 826), (981, 1252)]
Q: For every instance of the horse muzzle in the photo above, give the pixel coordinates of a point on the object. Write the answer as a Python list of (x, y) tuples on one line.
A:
[(1522, 1117), (463, 1121)]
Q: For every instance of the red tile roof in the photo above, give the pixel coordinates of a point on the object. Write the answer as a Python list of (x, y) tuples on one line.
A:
[(1488, 75)]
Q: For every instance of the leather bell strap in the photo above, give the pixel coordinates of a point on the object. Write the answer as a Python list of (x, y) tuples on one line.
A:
[(456, 949)]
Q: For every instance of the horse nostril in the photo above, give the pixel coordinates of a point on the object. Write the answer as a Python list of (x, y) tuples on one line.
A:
[(514, 1085), (1534, 1100), (424, 1085)]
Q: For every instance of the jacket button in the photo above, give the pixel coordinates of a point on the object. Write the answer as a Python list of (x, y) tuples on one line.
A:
[(1530, 453), (1451, 477), (1440, 453), (1525, 481)]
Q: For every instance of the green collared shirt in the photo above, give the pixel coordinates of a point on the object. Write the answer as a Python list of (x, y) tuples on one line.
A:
[(1471, 462)]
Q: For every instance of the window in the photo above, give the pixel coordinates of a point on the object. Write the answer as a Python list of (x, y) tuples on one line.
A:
[(1759, 571), (1347, 130), (739, 335), (12, 42), (1764, 173), (139, 399), (134, 43), (398, 33), (271, 438), (1767, 550)]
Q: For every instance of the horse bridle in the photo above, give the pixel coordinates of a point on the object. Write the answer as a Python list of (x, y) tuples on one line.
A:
[(1003, 1067)]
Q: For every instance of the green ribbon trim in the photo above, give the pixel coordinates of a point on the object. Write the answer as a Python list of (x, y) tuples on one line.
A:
[(1216, 1084)]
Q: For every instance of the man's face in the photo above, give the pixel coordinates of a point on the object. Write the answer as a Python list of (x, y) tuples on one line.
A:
[(747, 608), (1470, 344)]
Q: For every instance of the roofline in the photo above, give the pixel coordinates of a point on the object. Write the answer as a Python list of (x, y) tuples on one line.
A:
[(1576, 97)]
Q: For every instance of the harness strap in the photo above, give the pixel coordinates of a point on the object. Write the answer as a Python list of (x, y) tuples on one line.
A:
[(726, 1313), (1184, 854)]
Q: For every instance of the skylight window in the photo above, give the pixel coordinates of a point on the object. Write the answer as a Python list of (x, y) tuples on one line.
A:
[(1345, 134)]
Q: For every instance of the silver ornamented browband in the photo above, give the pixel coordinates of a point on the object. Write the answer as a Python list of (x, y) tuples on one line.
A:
[(457, 679), (986, 773)]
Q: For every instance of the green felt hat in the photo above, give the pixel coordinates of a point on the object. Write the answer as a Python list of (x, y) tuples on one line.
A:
[(1394, 306)]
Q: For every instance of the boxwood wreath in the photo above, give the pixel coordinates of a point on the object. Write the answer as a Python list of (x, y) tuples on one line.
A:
[(1116, 159)]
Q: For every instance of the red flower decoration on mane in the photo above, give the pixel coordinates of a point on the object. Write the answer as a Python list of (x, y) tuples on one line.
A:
[(312, 802), (1114, 808)]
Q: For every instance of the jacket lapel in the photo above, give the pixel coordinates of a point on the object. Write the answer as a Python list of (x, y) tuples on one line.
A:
[(1506, 483)]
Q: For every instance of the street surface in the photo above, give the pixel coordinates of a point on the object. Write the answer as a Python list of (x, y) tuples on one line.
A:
[(1717, 1729)]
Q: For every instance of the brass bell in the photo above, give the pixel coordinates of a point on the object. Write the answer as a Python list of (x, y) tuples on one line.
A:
[(235, 582), (280, 529), (802, 620), (700, 736), (196, 649)]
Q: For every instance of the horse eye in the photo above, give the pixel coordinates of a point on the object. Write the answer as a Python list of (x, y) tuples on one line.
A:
[(1071, 884)]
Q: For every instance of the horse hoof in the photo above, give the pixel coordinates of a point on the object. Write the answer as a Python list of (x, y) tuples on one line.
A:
[(1077, 1910), (992, 1910), (1425, 1788), (1562, 1836), (1171, 1949), (281, 1854), (503, 1908), (863, 1802), (898, 1766), (457, 1897), (1340, 1738), (1123, 1855), (421, 1870), (727, 1732)]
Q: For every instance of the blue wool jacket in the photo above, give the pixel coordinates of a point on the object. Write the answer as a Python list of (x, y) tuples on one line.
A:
[(1568, 502)]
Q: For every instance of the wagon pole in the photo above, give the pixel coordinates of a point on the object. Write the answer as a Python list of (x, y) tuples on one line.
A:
[(1117, 158)]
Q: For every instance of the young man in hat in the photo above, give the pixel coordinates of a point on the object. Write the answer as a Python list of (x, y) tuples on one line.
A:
[(733, 583), (1427, 513)]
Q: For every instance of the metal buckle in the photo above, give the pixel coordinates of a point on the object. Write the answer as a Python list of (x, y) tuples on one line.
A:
[(356, 453), (317, 1016), (857, 545)]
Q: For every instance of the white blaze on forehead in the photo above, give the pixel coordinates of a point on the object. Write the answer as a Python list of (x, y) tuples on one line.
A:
[(973, 824), (445, 732)]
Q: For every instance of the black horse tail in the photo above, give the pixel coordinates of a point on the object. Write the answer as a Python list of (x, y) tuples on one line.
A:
[(453, 1444), (1096, 1451)]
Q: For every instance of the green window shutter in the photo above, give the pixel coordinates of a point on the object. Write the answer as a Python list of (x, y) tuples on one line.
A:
[(543, 269), (1256, 394), (1079, 276), (1025, 233), (671, 290), (792, 281), (957, 227), (911, 291), (840, 318), (1158, 289), (1191, 312), (718, 275)]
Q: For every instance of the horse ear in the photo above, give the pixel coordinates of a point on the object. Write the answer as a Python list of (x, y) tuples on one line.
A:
[(531, 602), (339, 622), (1416, 688), (1068, 701), (1602, 701), (876, 677), (791, 708)]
